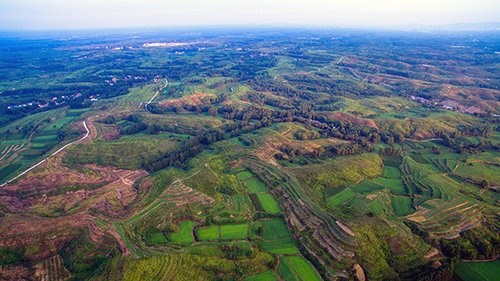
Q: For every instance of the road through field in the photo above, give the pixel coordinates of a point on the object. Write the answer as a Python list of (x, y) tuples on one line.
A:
[(45, 159), (425, 140), (157, 92)]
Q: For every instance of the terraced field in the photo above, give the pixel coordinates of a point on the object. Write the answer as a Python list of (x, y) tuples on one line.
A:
[(167, 267), (241, 202), (241, 155), (172, 207), (25, 141), (52, 269), (449, 221)]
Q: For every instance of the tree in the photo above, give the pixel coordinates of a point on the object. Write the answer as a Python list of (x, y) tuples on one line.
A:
[(212, 111), (436, 150), (484, 184)]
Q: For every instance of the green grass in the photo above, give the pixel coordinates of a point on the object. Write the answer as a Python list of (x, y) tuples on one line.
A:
[(185, 234), (255, 186), (208, 233), (336, 172), (478, 271), (268, 203), (297, 268), (340, 198), (267, 275), (244, 175), (234, 231), (274, 229), (402, 205)]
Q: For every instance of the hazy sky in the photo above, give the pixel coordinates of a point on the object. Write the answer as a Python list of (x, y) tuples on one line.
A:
[(78, 14)]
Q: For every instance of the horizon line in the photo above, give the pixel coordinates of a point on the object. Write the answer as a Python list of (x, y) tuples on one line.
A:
[(458, 26)]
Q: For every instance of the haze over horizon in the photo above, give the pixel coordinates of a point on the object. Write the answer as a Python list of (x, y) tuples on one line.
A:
[(92, 14)]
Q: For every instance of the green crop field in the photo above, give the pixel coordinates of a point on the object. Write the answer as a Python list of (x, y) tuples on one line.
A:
[(31, 137), (234, 231), (208, 233), (268, 203), (240, 202), (379, 205), (391, 172), (267, 275), (402, 205), (274, 229), (155, 238), (395, 185), (478, 271), (480, 171), (297, 268), (141, 94), (5, 171), (340, 197), (365, 187), (255, 186), (244, 175), (280, 247), (185, 234)]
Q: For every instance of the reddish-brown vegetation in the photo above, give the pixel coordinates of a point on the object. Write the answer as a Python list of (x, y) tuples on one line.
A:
[(194, 99), (345, 117)]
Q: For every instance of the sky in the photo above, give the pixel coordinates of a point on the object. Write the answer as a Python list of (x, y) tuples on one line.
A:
[(92, 14)]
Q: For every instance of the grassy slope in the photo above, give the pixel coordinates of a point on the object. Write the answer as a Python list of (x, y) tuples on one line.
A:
[(337, 171)]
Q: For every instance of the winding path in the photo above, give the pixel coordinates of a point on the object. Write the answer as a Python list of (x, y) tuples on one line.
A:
[(77, 141), (53, 154), (157, 92)]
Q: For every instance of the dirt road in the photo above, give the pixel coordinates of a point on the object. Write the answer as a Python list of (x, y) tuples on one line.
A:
[(45, 159)]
